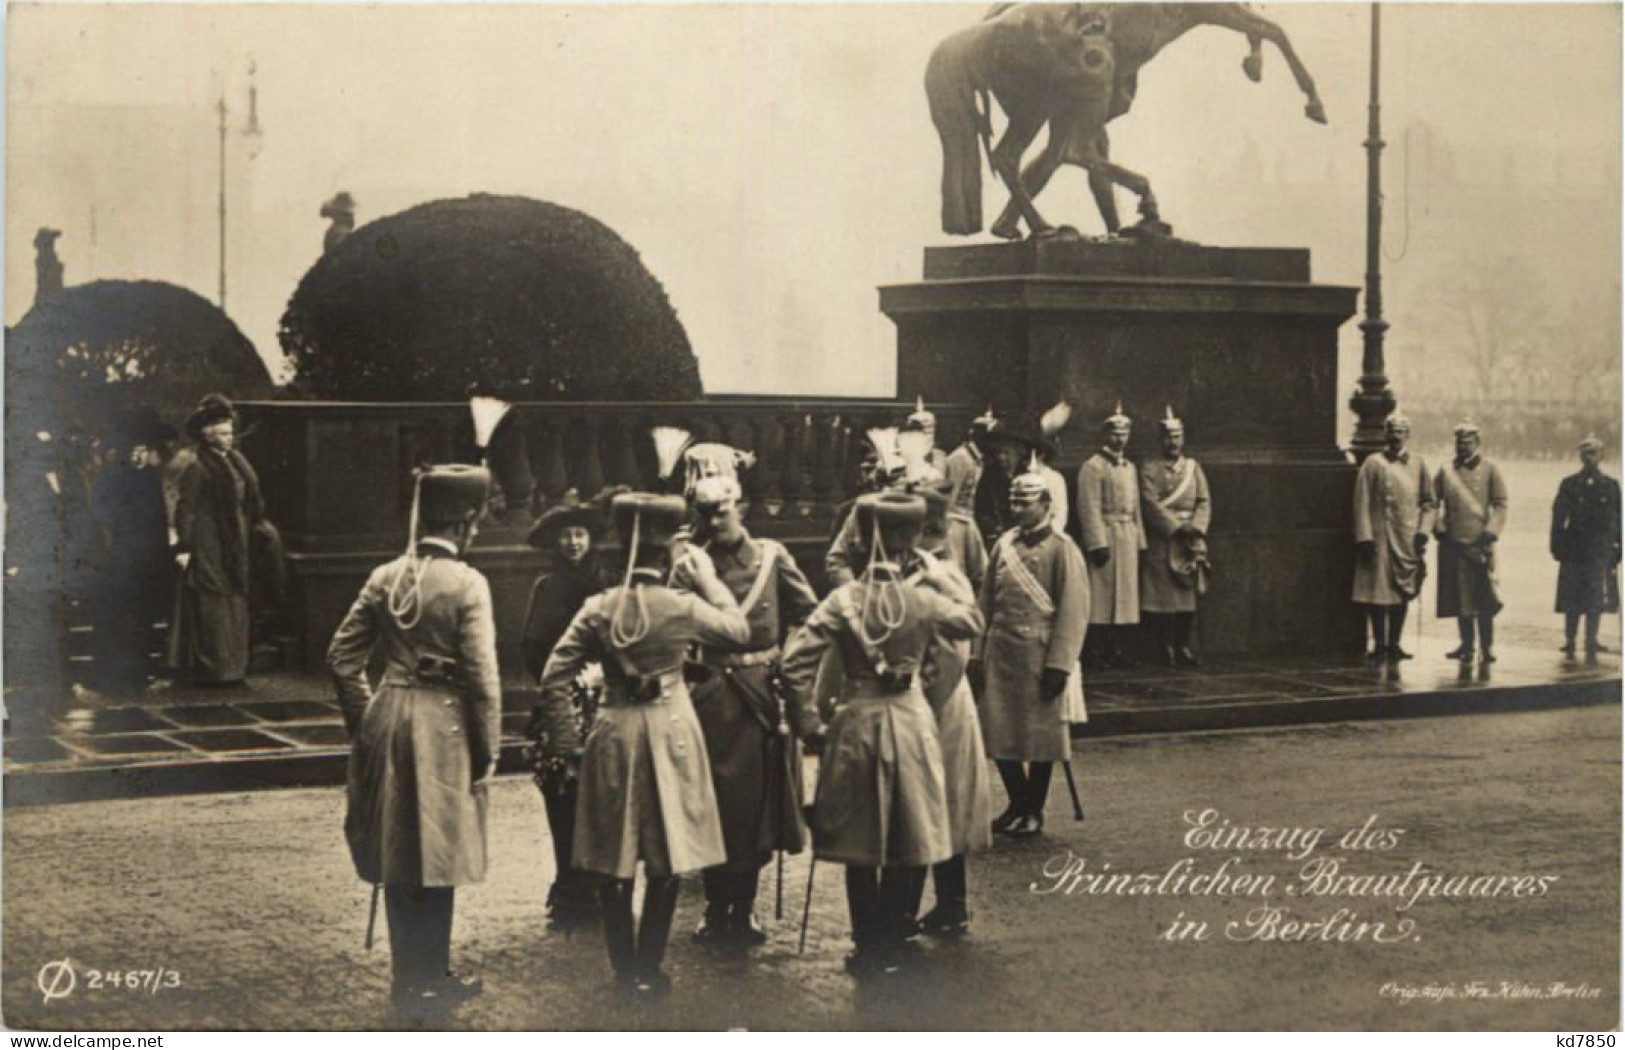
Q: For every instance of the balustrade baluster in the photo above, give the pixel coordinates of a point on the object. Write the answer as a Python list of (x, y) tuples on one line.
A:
[(794, 465), (826, 462), (588, 477), (766, 477), (552, 477), (622, 461)]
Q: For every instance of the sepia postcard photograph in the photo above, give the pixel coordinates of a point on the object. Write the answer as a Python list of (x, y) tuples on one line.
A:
[(811, 517)]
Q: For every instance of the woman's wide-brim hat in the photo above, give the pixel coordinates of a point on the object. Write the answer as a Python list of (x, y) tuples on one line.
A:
[(657, 517), (571, 512), (211, 409)]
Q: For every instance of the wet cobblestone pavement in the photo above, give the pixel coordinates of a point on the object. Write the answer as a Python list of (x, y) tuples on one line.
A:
[(250, 899)]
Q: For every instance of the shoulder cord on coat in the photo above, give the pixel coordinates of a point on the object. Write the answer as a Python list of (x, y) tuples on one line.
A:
[(885, 596), (625, 637), (405, 599)]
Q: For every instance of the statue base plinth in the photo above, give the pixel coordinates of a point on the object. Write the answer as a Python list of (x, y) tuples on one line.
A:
[(1240, 343)]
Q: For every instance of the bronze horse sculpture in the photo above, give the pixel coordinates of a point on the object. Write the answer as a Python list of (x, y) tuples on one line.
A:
[(1074, 67)]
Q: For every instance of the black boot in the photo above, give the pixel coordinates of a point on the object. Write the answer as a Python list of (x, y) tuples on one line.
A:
[(742, 925), (951, 916), (1396, 630), (1015, 785), (1486, 639), (897, 925), (863, 905), (713, 927), (615, 897), (1184, 625), (654, 930), (1378, 615), (1463, 652), (1032, 808)]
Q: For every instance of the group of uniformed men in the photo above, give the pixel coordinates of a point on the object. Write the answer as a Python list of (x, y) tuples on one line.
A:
[(716, 664)]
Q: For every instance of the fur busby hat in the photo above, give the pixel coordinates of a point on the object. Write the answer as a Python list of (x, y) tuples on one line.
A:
[(450, 492), (889, 510), (656, 518)]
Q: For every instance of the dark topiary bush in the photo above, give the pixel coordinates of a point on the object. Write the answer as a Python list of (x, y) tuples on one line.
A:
[(97, 349), (505, 296)]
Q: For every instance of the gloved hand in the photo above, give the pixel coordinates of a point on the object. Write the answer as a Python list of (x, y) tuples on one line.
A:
[(1052, 683), (183, 560), (976, 675), (1420, 540), (1100, 556), (1367, 549), (814, 742), (1488, 540)]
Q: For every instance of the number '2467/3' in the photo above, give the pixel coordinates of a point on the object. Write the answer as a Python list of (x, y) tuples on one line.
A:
[(152, 980), (1604, 1040)]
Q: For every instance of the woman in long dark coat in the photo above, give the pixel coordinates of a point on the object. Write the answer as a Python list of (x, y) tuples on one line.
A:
[(568, 533), (217, 509), (1586, 543), (133, 571)]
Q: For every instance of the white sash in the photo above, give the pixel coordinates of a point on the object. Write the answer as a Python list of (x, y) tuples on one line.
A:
[(1186, 476), (1024, 579), (769, 552), (1464, 494)]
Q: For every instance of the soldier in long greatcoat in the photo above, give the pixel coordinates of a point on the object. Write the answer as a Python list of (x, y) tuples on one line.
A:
[(1035, 606), (1113, 537), (646, 791), (756, 771), (964, 754), (1394, 508), (1177, 510), (1585, 540), (424, 744), (882, 807), (1472, 502)]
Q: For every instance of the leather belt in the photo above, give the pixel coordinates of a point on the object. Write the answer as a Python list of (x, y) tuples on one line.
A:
[(413, 682), (729, 661)]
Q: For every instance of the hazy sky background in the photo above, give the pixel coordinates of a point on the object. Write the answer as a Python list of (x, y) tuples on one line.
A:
[(774, 164)]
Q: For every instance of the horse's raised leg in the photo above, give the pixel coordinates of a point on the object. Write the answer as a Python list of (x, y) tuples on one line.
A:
[(1239, 18), (1023, 127), (1253, 64)]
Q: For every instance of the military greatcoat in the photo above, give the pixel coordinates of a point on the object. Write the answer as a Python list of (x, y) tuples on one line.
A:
[(415, 816), (1035, 607), (1472, 501), (757, 772), (1393, 502), (964, 754), (882, 792), (646, 791), (1585, 541), (1173, 493), (1109, 518)]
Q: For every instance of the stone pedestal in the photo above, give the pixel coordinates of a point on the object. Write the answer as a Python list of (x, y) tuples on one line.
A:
[(1239, 341)]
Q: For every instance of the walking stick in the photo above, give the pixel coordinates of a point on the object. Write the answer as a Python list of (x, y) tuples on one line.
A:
[(806, 906), (1072, 786), (372, 914)]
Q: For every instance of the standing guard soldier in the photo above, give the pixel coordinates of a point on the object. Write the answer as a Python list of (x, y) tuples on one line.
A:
[(1393, 515), (1586, 544), (646, 792), (1472, 501), (1177, 509), (924, 421), (1113, 537), (882, 805), (1035, 606), (424, 746), (756, 773), (964, 465)]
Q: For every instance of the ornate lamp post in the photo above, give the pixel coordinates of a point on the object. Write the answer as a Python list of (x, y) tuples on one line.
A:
[(1374, 400)]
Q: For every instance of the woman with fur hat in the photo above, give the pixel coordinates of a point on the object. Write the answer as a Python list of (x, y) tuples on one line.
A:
[(218, 506)]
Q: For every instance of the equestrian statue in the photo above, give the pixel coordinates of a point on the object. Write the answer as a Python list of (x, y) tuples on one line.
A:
[(1075, 68)]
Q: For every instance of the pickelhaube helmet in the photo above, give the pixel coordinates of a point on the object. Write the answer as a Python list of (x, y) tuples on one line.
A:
[(1117, 420), (1170, 423)]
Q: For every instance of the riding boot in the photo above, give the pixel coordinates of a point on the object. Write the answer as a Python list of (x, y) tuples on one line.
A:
[(1378, 615), (1184, 628), (863, 905), (1169, 629), (1015, 785), (950, 915), (742, 925), (1486, 638), (1464, 627), (1571, 627), (1396, 630), (1038, 777), (896, 921), (719, 888), (615, 896), (1593, 622), (654, 930)]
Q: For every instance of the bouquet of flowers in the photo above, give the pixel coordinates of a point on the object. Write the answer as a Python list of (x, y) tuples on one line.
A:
[(554, 771)]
